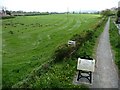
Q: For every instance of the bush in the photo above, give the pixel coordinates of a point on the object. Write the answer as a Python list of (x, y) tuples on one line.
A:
[(11, 32), (118, 45), (62, 52), (8, 17), (115, 42), (78, 38), (65, 51)]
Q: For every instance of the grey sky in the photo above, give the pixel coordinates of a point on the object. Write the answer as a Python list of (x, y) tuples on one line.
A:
[(58, 5)]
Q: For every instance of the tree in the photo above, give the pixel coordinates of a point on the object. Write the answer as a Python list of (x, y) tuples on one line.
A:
[(4, 10), (73, 12), (106, 12), (8, 12), (118, 13)]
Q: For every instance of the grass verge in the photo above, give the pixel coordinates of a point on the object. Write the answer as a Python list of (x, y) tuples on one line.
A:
[(115, 42), (89, 47)]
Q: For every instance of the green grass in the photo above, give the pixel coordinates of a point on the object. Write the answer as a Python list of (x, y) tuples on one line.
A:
[(30, 41), (115, 42), (61, 74)]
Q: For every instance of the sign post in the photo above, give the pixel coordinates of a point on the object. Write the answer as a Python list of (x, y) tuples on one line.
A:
[(85, 68), (71, 43)]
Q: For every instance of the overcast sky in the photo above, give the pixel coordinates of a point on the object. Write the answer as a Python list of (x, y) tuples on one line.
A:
[(58, 5)]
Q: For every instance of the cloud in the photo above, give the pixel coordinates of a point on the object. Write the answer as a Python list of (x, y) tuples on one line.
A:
[(58, 5)]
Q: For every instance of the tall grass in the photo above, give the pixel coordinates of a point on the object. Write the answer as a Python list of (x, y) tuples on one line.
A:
[(115, 43)]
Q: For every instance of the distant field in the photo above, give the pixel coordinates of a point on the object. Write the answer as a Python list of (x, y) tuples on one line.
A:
[(29, 41)]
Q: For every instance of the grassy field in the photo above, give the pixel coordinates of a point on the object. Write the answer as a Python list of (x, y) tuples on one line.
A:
[(30, 41), (61, 74)]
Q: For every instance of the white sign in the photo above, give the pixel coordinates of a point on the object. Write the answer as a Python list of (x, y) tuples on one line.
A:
[(72, 43), (86, 65)]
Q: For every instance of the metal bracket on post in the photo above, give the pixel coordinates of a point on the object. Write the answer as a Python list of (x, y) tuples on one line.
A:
[(89, 75)]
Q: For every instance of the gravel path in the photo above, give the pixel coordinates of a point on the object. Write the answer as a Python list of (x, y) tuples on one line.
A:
[(105, 75)]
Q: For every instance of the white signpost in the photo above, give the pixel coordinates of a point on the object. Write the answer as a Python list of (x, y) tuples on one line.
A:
[(71, 43), (85, 66)]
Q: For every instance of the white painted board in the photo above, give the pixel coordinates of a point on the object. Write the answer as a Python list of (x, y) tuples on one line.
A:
[(86, 65), (71, 43)]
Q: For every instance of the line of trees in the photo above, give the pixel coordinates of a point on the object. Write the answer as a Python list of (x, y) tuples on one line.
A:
[(115, 12), (5, 12), (118, 17), (109, 12)]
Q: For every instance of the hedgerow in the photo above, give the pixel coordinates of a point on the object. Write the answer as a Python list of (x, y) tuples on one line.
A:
[(115, 42)]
